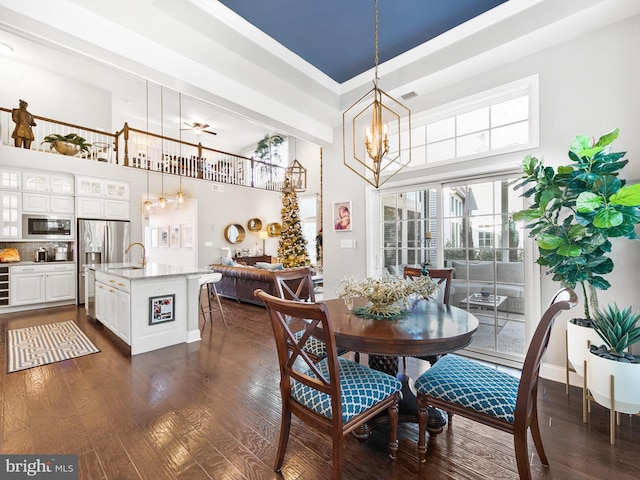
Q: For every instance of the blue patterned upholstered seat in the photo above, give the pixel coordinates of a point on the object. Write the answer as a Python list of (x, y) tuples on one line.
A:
[(312, 345), (361, 387), (472, 385)]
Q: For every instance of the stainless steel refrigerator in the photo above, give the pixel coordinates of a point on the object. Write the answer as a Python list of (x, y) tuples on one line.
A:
[(99, 241)]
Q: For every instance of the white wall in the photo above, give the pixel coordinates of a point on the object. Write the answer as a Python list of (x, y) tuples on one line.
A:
[(588, 85), (53, 96)]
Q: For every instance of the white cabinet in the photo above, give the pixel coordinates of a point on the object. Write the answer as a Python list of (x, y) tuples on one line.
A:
[(26, 286), (42, 283), (124, 316), (10, 214), (10, 179), (60, 284), (47, 182), (47, 193), (102, 198), (113, 304), (101, 187), (47, 203)]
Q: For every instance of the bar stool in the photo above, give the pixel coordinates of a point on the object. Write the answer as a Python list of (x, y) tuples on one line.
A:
[(209, 280)]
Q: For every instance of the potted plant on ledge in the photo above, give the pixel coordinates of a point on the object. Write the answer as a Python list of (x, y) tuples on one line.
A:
[(576, 209), (70, 144)]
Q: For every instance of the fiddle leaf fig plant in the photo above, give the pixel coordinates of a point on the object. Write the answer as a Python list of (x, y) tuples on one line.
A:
[(576, 209)]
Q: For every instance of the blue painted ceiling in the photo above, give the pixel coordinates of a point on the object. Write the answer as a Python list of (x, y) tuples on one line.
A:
[(337, 36)]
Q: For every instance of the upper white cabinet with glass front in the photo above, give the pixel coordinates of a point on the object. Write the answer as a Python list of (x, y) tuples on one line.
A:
[(47, 183), (47, 193), (10, 203), (102, 198)]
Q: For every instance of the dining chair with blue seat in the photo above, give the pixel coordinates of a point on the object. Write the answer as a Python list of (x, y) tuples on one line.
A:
[(491, 397), (442, 277), (297, 284), (335, 395)]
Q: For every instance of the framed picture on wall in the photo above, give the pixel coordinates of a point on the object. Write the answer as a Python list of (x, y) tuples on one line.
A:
[(162, 309), (174, 237), (187, 235), (342, 217), (163, 237)]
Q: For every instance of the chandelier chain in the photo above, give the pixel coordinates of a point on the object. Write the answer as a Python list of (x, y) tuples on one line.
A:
[(375, 41)]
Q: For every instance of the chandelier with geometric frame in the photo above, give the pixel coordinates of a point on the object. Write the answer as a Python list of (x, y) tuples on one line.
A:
[(376, 131)]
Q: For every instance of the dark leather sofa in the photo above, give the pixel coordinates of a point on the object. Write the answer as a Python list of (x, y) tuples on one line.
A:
[(239, 283)]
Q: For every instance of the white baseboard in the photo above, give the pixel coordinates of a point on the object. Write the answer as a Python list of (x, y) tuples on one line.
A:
[(558, 374)]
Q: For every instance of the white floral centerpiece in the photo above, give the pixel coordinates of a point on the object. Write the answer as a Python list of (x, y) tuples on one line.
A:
[(388, 297)]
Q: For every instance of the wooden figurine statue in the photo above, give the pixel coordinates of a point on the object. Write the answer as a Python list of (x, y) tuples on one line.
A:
[(22, 134)]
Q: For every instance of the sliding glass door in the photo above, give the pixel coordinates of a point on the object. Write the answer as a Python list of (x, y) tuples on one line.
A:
[(467, 226)]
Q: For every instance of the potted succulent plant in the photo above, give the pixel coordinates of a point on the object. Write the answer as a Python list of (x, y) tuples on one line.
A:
[(70, 144), (619, 329), (576, 209)]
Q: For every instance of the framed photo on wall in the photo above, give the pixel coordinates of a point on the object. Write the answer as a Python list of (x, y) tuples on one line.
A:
[(163, 236), (342, 217), (187, 235), (162, 309), (174, 237)]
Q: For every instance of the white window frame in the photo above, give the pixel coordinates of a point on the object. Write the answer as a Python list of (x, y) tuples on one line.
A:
[(525, 86)]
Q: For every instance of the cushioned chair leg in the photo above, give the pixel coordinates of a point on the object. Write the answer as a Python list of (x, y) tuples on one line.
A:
[(522, 456), (537, 439), (338, 452), (423, 417), (285, 427), (393, 425)]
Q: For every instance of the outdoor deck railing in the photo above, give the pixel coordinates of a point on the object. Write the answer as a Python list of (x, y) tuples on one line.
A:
[(135, 148)]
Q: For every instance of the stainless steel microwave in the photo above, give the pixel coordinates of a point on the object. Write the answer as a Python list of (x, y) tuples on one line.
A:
[(47, 227)]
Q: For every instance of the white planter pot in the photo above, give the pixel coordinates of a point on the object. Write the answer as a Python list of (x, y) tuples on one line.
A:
[(578, 338), (626, 383)]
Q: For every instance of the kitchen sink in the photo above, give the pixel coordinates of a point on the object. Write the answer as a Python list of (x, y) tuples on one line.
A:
[(130, 267)]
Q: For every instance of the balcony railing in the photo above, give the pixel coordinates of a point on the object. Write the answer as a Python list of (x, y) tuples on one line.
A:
[(134, 148)]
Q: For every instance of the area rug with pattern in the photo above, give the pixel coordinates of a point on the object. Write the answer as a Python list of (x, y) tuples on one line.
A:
[(35, 346)]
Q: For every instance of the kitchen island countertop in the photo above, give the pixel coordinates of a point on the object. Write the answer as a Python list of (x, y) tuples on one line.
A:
[(135, 271)]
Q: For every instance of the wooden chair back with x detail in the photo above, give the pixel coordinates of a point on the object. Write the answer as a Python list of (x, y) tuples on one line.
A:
[(294, 284), (335, 395), (441, 275)]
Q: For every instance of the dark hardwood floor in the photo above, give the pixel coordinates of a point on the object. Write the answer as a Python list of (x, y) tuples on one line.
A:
[(211, 409)]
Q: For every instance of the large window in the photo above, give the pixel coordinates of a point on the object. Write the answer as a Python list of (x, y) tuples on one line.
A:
[(494, 122), (309, 223)]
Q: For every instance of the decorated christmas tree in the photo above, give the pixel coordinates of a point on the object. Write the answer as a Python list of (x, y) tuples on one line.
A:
[(292, 247)]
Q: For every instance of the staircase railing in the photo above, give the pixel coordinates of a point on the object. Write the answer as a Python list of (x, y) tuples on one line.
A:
[(135, 148)]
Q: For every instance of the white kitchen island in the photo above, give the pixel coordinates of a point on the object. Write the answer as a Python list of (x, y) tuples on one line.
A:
[(148, 307)]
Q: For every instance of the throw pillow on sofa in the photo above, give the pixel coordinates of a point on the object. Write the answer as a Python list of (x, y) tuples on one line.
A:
[(229, 262), (269, 266)]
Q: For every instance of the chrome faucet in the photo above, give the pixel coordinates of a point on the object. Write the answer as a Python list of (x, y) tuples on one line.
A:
[(144, 252)]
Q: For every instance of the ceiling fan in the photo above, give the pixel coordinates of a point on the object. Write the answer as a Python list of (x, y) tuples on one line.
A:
[(198, 128)]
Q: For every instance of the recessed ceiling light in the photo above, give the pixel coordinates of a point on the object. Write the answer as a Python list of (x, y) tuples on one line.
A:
[(409, 95), (5, 49)]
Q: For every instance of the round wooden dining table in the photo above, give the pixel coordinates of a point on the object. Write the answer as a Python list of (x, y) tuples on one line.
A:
[(427, 328)]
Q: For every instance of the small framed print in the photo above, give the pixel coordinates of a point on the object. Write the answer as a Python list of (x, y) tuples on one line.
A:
[(163, 236), (342, 217), (162, 309), (154, 237), (187, 235), (174, 236)]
